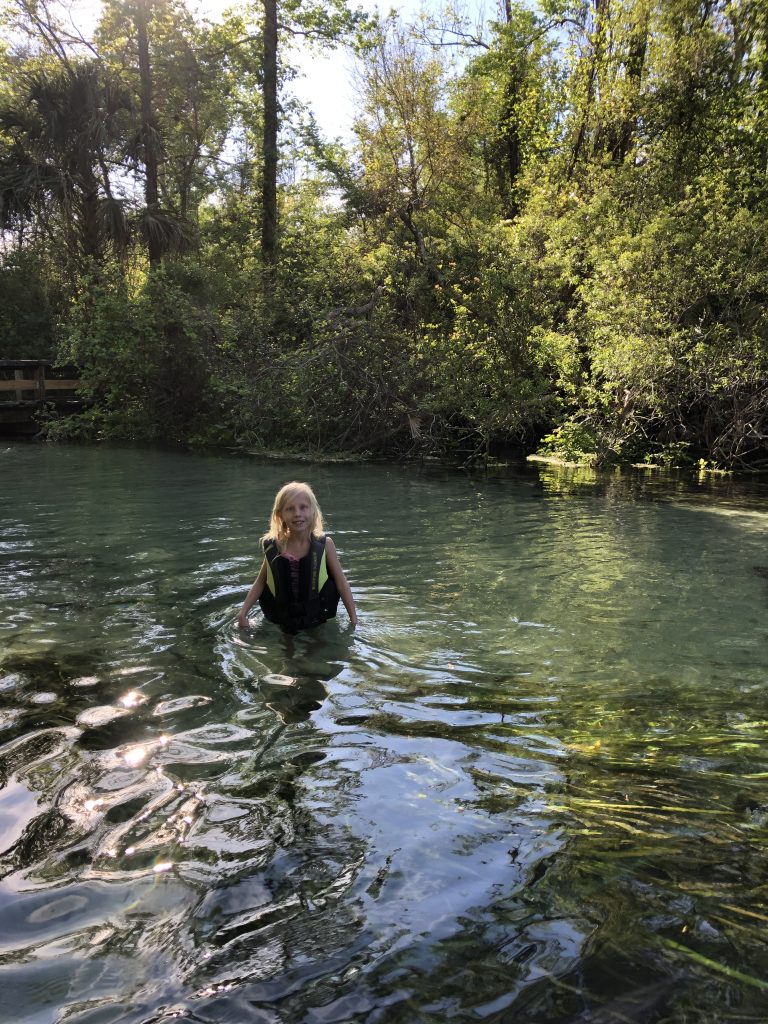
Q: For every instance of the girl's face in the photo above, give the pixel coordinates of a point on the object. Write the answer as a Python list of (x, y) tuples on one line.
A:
[(298, 513)]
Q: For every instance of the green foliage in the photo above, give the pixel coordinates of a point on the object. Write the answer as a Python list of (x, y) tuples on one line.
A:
[(513, 91), (145, 360), (28, 304), (679, 330), (479, 354), (62, 127), (571, 442), (192, 93), (558, 243)]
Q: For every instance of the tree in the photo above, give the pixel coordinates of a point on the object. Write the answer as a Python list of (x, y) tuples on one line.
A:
[(150, 142), (412, 148), (65, 125), (271, 127), (326, 24), (134, 38), (513, 87)]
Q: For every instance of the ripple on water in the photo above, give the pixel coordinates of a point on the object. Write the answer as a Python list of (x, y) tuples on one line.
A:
[(530, 786)]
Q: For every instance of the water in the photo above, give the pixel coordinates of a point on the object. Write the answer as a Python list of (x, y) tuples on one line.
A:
[(531, 786)]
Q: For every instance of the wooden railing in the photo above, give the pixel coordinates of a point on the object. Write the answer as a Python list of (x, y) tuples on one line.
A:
[(30, 382)]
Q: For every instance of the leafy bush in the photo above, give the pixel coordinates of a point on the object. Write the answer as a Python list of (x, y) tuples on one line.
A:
[(145, 361), (28, 305)]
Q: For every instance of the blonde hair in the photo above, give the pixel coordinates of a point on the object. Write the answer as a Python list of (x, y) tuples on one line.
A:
[(288, 492)]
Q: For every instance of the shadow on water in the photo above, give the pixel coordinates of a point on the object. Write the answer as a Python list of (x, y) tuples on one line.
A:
[(531, 787)]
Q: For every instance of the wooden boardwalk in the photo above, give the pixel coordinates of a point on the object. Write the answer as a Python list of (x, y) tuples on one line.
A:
[(28, 386)]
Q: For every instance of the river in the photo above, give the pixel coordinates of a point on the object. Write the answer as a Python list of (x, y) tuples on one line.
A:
[(532, 786)]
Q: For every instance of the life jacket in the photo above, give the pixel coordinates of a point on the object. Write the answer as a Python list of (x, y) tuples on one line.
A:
[(317, 599)]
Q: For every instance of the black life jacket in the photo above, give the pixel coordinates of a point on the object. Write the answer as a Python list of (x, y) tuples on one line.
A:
[(317, 599)]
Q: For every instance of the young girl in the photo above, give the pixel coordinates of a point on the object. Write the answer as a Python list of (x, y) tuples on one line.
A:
[(301, 579)]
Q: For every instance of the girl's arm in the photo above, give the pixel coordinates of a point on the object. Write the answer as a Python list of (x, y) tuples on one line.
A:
[(253, 596), (334, 568)]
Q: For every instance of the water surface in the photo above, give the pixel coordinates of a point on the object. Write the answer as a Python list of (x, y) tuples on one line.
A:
[(530, 787)]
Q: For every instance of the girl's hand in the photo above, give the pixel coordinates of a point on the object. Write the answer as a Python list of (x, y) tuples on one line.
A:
[(242, 621)]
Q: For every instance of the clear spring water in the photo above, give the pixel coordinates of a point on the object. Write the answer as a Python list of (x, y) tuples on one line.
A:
[(533, 785)]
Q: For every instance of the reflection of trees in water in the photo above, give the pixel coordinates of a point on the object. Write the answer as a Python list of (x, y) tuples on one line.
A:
[(646, 892), (576, 930), (275, 900), (260, 931), (208, 791), (288, 911), (653, 870), (587, 889)]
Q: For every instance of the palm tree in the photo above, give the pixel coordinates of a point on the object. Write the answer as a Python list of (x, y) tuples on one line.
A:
[(65, 133)]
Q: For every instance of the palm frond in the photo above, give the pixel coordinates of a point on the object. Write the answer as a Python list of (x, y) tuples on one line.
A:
[(114, 223), (166, 231)]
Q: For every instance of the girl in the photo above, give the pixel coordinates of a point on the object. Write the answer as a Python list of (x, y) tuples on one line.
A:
[(301, 579)]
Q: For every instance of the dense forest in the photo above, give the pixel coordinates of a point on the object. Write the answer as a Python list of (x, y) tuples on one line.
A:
[(546, 232)]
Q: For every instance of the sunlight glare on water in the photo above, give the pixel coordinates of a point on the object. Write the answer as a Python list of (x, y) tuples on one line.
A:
[(531, 786)]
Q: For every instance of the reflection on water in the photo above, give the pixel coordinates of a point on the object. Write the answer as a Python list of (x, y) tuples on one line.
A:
[(531, 787)]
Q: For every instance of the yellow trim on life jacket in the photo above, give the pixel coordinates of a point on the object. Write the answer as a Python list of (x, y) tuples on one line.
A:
[(322, 576)]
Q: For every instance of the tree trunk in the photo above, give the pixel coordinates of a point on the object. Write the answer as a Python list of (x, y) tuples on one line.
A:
[(635, 66), (597, 41), (89, 224), (511, 157), (269, 185), (149, 134)]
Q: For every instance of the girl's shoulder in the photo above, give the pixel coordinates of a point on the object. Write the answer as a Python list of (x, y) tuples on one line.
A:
[(325, 539)]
